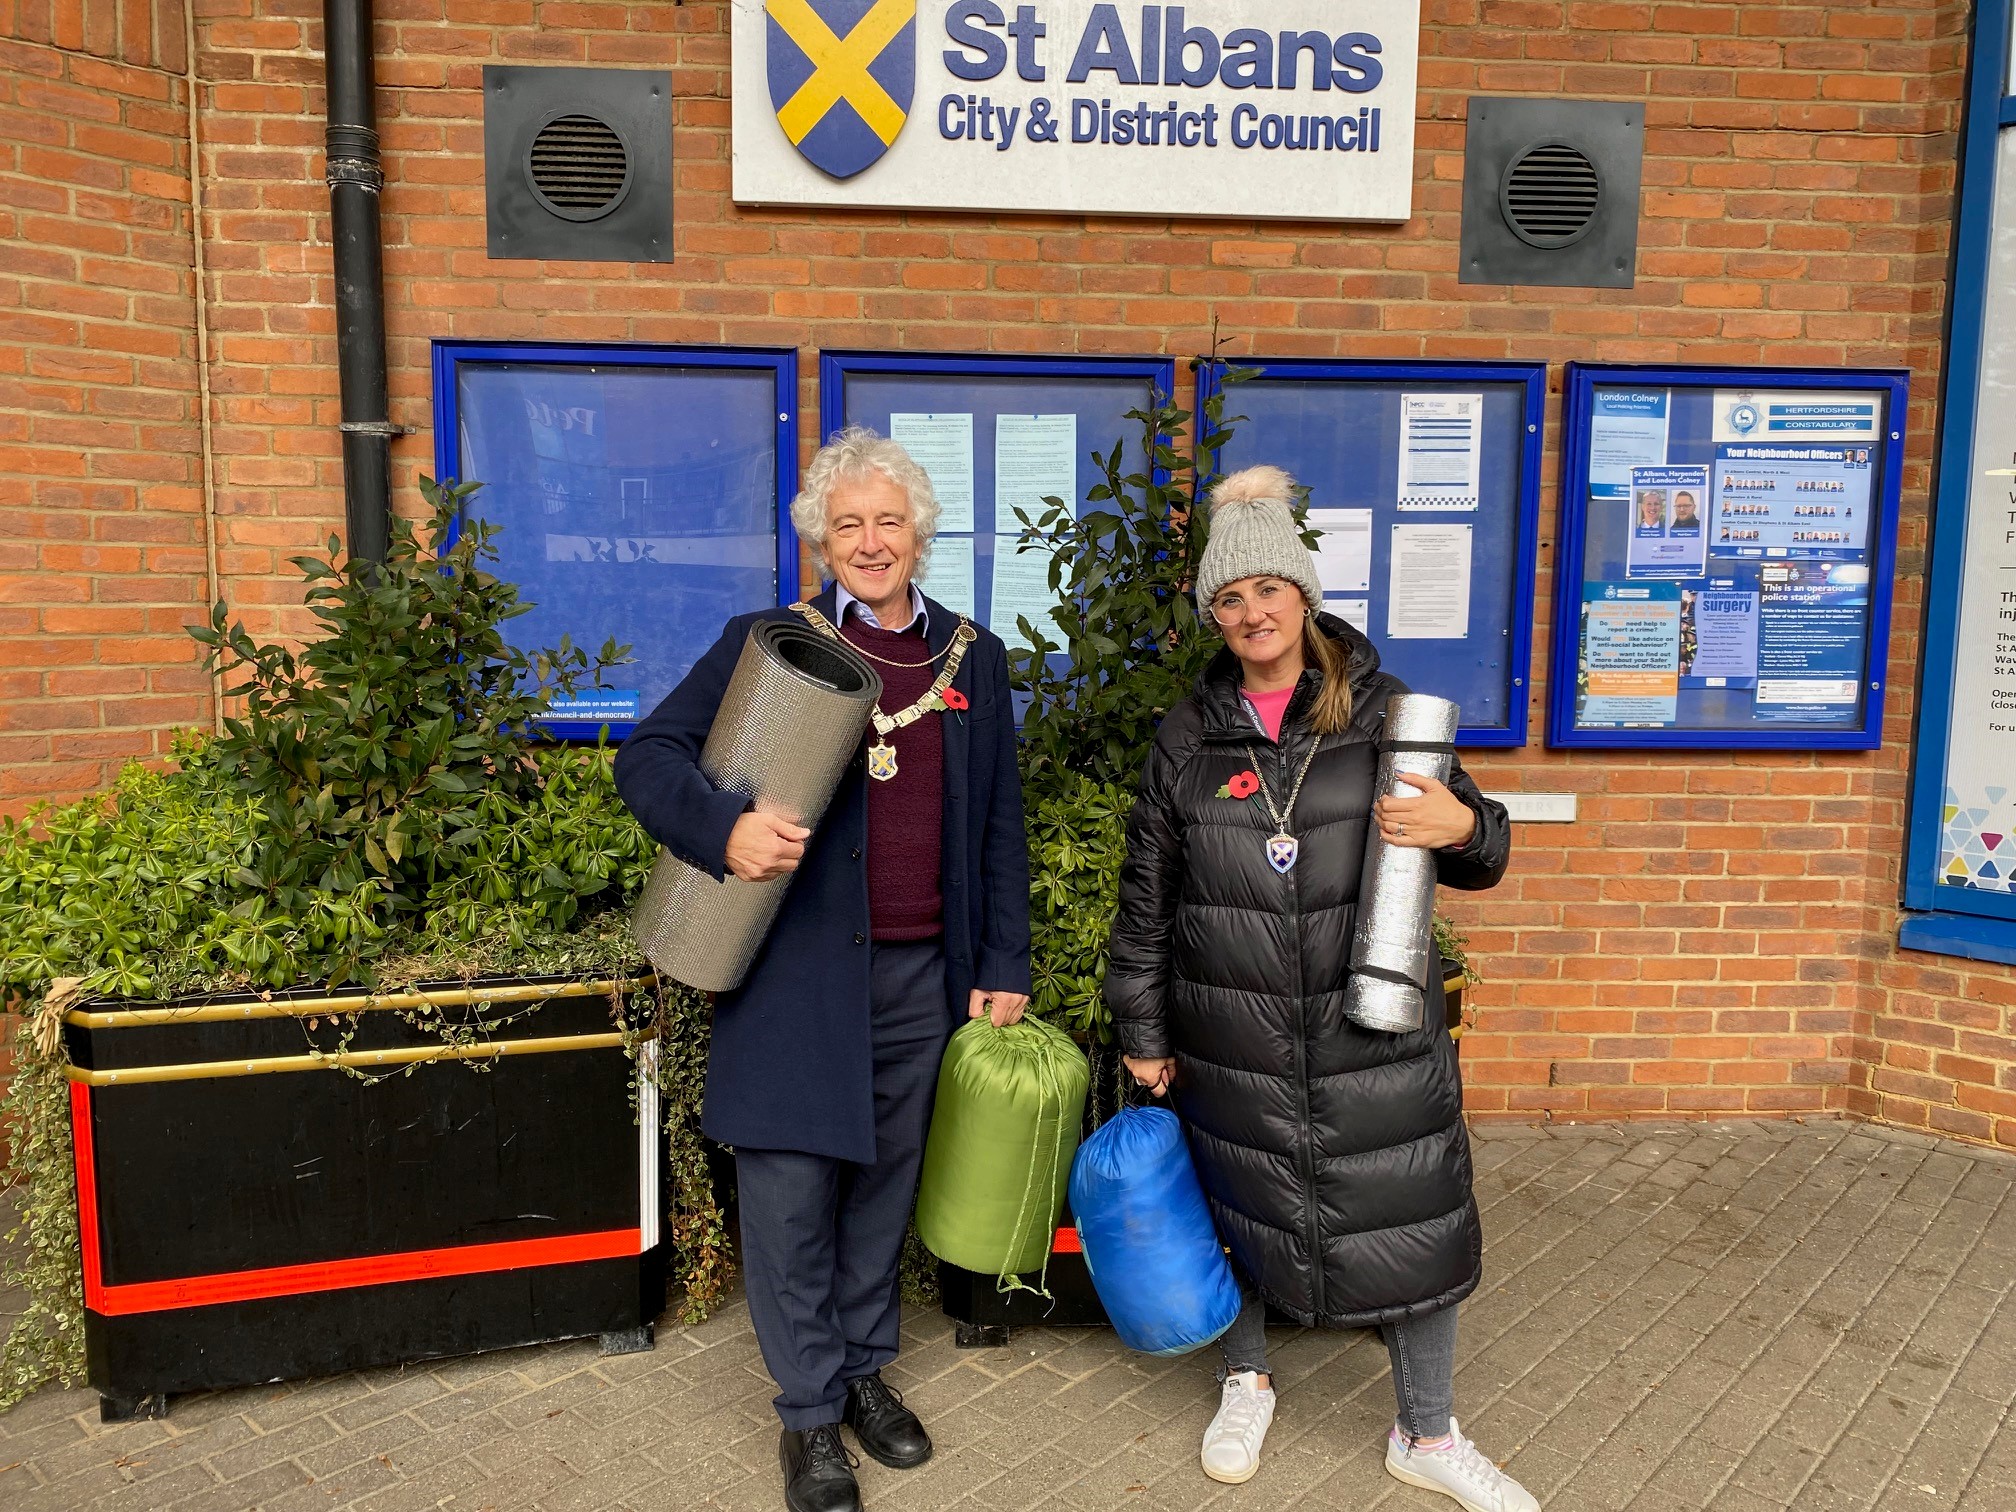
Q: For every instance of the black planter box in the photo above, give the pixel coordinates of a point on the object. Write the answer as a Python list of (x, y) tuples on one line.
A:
[(248, 1215), (984, 1313)]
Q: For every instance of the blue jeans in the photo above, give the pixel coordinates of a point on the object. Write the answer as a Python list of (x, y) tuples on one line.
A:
[(1423, 1352)]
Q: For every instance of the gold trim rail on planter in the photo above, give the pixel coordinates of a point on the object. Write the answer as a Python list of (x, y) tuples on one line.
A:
[(217, 1013), (340, 1060)]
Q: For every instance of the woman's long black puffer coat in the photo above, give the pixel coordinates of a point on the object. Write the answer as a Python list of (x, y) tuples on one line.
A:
[(1334, 1157)]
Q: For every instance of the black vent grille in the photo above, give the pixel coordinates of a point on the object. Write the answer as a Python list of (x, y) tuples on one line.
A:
[(579, 167), (1550, 195)]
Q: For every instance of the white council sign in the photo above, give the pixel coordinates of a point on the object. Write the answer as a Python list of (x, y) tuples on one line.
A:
[(1065, 105)]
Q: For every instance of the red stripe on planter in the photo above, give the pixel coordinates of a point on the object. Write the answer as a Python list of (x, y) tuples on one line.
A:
[(1064, 1242), (318, 1276), (364, 1270), (87, 1195)]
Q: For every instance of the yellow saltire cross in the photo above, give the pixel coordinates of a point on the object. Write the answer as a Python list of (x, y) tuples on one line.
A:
[(840, 66)]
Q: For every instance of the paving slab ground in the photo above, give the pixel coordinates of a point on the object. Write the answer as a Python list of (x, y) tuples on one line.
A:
[(1728, 1316)]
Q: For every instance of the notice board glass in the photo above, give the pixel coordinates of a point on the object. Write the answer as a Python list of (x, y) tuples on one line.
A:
[(996, 433), (642, 493), (1424, 481), (1728, 538), (1960, 878)]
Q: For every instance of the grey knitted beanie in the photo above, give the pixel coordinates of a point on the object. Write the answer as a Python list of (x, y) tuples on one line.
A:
[(1253, 535)]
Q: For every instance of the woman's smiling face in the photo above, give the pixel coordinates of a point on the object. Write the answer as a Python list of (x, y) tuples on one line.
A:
[(1262, 619)]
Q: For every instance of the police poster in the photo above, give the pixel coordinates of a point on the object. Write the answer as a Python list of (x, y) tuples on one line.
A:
[(1728, 544), (1301, 109)]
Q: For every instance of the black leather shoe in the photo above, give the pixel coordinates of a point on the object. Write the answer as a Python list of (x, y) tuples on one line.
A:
[(889, 1432), (818, 1471)]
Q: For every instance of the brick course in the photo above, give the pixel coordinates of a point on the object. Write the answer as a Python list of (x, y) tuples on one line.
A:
[(1715, 935)]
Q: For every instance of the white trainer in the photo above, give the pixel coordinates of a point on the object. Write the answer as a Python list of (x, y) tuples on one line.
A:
[(1461, 1472), (1232, 1442)]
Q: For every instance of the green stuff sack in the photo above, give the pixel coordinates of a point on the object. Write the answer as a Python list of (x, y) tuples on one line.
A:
[(1003, 1132)]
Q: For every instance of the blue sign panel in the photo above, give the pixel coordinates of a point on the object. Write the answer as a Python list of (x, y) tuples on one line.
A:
[(1424, 481), (640, 495), (1768, 501)]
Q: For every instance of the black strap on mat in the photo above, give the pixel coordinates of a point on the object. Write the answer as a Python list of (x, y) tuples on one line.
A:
[(1397, 978)]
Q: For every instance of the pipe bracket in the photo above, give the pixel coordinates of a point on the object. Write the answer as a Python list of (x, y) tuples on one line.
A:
[(363, 172), (375, 428)]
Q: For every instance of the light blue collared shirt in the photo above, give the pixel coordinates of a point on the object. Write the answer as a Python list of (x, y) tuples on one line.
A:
[(919, 617)]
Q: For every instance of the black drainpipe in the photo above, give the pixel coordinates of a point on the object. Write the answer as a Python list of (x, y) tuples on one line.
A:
[(354, 181)]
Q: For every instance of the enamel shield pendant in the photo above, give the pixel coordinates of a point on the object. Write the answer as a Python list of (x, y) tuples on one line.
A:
[(882, 761), (1281, 852)]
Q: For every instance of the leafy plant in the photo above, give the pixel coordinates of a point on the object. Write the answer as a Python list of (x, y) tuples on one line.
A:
[(380, 752), (1132, 642), (1077, 841), (1132, 646), (377, 811)]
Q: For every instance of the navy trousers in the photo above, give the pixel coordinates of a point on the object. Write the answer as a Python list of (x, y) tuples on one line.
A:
[(821, 1238)]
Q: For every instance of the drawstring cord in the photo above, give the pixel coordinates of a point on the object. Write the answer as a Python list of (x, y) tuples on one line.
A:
[(1050, 1086)]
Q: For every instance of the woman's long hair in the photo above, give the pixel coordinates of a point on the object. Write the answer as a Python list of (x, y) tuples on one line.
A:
[(1333, 704)]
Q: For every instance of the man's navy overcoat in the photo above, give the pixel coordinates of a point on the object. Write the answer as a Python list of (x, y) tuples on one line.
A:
[(791, 1067)]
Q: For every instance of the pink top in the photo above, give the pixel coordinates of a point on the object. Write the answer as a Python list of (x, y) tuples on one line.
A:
[(1270, 707)]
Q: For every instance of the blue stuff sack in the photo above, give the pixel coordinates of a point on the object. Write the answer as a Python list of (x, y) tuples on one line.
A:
[(1148, 1238)]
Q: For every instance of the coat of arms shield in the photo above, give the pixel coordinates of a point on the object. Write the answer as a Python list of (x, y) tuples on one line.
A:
[(842, 77)]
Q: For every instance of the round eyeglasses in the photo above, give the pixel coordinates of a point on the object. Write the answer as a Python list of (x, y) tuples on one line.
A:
[(1269, 598)]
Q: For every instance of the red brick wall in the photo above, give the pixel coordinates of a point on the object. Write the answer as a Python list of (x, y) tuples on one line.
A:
[(101, 524), (1713, 934)]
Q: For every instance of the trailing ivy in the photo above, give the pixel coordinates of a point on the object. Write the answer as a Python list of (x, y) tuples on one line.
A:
[(46, 1342)]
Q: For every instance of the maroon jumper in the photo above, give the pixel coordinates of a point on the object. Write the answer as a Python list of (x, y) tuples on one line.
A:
[(906, 814)]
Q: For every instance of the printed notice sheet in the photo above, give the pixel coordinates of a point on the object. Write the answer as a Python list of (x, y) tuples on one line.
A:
[(1344, 554), (1669, 522), (950, 577), (1355, 612), (943, 446), (1630, 654), (1718, 638), (1627, 429), (1441, 450), (1428, 584), (1778, 500), (1035, 458), (1022, 589), (1812, 644)]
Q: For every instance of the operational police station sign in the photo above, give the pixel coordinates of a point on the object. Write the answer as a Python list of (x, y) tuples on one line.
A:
[(1295, 109)]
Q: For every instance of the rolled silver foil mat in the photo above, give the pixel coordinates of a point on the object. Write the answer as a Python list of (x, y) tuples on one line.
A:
[(789, 723), (1392, 943)]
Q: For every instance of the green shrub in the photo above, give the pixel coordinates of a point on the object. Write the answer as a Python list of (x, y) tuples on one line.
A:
[(376, 811), (1132, 647)]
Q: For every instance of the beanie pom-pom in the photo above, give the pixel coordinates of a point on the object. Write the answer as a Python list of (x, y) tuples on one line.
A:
[(1250, 486)]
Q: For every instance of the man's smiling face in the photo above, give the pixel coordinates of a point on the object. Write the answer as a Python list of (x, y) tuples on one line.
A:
[(871, 540)]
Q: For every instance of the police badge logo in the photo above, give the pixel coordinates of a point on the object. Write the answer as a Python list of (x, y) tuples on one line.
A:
[(842, 76)]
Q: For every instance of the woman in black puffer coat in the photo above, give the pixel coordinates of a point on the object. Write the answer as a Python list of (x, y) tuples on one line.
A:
[(1334, 1157)]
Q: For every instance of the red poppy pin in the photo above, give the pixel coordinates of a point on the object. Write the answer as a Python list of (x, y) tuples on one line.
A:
[(954, 699), (1243, 785)]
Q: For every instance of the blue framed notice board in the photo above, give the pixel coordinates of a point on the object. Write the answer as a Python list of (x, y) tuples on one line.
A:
[(1728, 540), (643, 493), (1424, 481), (995, 433), (1960, 876)]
